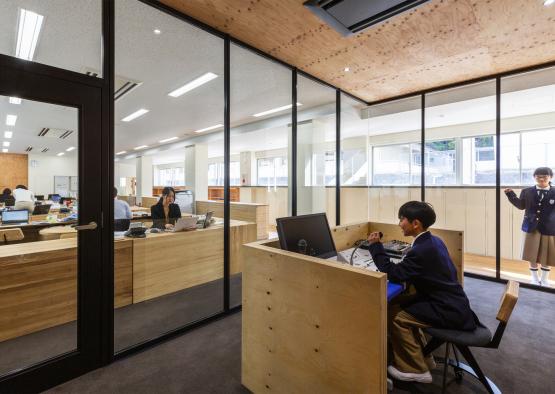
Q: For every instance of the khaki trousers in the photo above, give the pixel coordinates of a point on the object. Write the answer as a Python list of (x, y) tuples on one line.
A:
[(407, 341)]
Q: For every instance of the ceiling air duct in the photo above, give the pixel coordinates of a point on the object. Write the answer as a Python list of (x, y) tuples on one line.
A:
[(352, 16)]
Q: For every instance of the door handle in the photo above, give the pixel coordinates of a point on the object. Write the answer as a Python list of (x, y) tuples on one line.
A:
[(90, 226)]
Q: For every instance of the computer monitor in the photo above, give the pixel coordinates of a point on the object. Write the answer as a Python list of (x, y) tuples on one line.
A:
[(39, 197), (19, 216), (41, 209), (54, 197), (306, 234)]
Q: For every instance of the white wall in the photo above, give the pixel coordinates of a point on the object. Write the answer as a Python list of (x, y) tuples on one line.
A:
[(42, 170)]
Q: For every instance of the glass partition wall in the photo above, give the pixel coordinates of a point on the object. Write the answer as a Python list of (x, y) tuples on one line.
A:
[(169, 115)]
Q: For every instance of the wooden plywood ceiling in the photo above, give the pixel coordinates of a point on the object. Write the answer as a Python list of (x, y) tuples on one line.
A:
[(441, 42)]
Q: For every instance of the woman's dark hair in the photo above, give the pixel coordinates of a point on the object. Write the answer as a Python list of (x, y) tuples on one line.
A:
[(7, 191), (543, 171), (166, 192), (422, 211), (21, 187)]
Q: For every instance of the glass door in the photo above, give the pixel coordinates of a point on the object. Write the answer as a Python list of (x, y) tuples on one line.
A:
[(50, 233)]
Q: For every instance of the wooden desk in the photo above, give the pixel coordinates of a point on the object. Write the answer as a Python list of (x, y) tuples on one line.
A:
[(309, 322), (57, 232), (167, 262), (248, 212)]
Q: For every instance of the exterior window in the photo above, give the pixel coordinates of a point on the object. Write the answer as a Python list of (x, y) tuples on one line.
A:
[(354, 167), (216, 174), (170, 177), (272, 171), (440, 162)]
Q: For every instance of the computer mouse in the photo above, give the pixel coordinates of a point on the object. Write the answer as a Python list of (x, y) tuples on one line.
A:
[(155, 230)]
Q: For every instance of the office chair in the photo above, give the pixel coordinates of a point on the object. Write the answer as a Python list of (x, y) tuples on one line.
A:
[(121, 224), (480, 337)]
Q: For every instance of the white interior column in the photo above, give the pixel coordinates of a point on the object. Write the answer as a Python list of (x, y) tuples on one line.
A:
[(196, 170), (144, 177)]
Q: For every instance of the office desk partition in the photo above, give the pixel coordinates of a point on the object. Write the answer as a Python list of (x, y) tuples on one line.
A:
[(313, 325)]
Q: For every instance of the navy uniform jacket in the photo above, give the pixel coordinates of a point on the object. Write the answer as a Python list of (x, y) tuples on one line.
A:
[(440, 300), (538, 215), (159, 218)]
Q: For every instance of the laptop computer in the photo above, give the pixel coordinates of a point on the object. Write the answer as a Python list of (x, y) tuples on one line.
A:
[(20, 216), (42, 209), (206, 222), (186, 223)]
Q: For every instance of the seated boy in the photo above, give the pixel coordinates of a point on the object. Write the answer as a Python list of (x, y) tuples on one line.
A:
[(439, 301)]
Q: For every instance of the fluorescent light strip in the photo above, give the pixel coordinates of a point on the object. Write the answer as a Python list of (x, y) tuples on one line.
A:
[(135, 115), (278, 109), (209, 128), (28, 32), (141, 147), (167, 140), (70, 149), (4, 150), (60, 154), (121, 153), (6, 143), (548, 2), (11, 119), (195, 83), (8, 134), (15, 100)]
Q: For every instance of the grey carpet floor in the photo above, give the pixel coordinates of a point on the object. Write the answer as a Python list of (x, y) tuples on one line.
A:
[(208, 359)]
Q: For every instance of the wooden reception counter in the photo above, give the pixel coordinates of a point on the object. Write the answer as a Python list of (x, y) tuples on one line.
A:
[(38, 280), (249, 212), (317, 325)]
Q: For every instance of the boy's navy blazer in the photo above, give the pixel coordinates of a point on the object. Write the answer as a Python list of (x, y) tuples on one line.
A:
[(538, 215), (440, 300)]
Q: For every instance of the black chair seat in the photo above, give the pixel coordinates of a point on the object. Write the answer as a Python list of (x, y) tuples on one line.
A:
[(481, 336)]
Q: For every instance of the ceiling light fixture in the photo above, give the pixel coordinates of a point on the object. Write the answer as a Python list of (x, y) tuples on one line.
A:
[(195, 83), (15, 100), (4, 150), (28, 32), (135, 115), (346, 69), (8, 134), (157, 31), (60, 154), (209, 128), (70, 149), (141, 147), (548, 2), (278, 109), (6, 143), (167, 140), (121, 153), (11, 119)]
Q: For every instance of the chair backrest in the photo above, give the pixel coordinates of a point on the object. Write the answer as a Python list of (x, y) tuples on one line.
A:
[(121, 224), (11, 234), (508, 301)]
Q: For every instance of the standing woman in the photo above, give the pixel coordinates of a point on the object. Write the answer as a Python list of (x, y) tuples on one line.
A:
[(165, 213), (538, 224)]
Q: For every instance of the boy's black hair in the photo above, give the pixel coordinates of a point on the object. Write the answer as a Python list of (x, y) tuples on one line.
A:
[(115, 192), (543, 171), (422, 211)]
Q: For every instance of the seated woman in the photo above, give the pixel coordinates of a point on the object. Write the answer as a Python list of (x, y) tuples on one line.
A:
[(7, 198), (165, 213)]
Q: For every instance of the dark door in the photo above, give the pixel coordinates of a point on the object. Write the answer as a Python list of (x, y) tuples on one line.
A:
[(50, 273)]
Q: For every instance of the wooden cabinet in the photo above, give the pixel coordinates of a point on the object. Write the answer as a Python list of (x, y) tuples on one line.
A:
[(217, 193)]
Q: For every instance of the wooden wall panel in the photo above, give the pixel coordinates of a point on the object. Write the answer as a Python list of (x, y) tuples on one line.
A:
[(14, 170)]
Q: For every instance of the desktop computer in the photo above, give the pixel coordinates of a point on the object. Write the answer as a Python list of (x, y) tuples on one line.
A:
[(306, 234)]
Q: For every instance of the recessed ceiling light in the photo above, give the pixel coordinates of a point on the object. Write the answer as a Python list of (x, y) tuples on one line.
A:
[(157, 31), (195, 83), (346, 69), (6, 143), (60, 154), (141, 147), (11, 119), (135, 115), (8, 134), (548, 2), (167, 140), (15, 100), (121, 153), (70, 149), (209, 128), (274, 110), (28, 32), (5, 150)]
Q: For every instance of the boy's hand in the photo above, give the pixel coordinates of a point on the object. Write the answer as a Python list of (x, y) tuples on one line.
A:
[(507, 191), (374, 237)]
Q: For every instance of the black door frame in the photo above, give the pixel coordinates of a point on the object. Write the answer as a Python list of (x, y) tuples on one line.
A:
[(47, 84)]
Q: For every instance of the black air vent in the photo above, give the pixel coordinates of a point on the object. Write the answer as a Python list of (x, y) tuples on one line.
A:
[(43, 132), (124, 89), (44, 150), (29, 149), (352, 16)]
